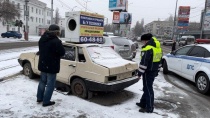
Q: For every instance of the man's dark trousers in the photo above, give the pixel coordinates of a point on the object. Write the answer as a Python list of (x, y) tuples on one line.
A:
[(147, 99)]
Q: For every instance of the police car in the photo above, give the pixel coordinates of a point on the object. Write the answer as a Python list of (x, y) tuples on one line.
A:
[(191, 62)]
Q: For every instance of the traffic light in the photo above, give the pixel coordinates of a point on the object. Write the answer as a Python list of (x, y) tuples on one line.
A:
[(19, 23), (16, 23)]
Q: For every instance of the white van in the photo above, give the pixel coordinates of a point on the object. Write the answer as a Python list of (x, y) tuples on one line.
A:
[(185, 40)]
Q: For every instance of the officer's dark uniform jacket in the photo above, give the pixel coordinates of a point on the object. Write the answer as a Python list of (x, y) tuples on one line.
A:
[(50, 52), (151, 55)]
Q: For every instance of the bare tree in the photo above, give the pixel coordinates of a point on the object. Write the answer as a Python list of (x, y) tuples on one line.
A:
[(57, 16), (8, 12), (170, 18)]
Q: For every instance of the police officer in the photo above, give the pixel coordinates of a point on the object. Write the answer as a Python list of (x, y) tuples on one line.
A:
[(149, 67)]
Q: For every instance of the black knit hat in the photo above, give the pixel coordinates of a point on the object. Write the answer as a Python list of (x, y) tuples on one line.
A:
[(54, 28), (146, 37)]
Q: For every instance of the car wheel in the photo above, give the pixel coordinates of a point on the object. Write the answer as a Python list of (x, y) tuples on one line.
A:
[(2, 36), (78, 88), (165, 67), (27, 70), (202, 83), (7, 37)]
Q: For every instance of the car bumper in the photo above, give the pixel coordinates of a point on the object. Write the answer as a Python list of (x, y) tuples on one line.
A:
[(112, 86), (20, 62)]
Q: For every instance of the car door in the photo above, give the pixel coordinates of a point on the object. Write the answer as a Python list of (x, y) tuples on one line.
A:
[(67, 64), (7, 34), (175, 61), (192, 62)]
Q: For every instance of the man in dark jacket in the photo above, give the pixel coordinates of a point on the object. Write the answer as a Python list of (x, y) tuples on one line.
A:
[(149, 67), (50, 52), (173, 45)]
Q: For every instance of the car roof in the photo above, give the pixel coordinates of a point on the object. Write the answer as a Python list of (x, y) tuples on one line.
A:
[(207, 46)]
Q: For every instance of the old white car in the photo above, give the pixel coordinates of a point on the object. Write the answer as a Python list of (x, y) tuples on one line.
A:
[(87, 68)]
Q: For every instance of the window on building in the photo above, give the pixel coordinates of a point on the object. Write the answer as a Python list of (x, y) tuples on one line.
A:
[(36, 19), (36, 11), (32, 19), (42, 20), (39, 11), (32, 9), (48, 21), (24, 7), (18, 5), (39, 20)]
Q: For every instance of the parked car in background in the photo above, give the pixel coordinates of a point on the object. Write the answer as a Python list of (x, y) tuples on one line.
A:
[(133, 48), (87, 68), (186, 40), (168, 42), (13, 34), (191, 62), (120, 44), (202, 41), (108, 34)]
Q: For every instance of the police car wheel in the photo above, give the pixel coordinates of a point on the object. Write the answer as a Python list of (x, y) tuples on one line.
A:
[(78, 88), (202, 83), (165, 67)]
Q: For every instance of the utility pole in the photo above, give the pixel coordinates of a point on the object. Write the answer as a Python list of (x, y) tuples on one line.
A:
[(51, 11), (174, 21), (26, 14), (203, 20), (86, 5)]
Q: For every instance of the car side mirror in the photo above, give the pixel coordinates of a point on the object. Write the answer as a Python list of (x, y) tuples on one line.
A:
[(173, 53)]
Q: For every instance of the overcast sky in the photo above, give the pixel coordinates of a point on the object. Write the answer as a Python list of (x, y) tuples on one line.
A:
[(150, 10)]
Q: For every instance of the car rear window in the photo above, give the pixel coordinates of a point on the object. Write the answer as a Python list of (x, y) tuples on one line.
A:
[(120, 41), (102, 53)]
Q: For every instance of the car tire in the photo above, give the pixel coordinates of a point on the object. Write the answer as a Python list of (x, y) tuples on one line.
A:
[(165, 67), (79, 89), (7, 37), (202, 83), (2, 36), (27, 70)]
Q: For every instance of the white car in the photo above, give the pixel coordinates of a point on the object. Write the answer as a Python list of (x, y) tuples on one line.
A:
[(191, 62)]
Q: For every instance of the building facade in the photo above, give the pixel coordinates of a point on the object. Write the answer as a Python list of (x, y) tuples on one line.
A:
[(39, 16), (160, 28)]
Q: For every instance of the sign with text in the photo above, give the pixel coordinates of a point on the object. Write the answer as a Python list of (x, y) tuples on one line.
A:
[(183, 17), (91, 28), (117, 5)]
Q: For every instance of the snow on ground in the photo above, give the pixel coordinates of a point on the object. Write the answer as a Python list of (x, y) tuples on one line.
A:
[(18, 97), (9, 60), (31, 39)]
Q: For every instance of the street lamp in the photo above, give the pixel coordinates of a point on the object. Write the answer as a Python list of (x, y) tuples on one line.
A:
[(174, 21), (73, 8)]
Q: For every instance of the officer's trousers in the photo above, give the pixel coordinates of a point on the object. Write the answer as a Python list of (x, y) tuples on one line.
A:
[(147, 99)]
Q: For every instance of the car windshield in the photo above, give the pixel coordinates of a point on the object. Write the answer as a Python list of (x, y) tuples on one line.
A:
[(120, 41), (102, 53)]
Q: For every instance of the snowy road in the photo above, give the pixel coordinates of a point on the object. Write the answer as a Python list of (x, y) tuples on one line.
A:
[(18, 96)]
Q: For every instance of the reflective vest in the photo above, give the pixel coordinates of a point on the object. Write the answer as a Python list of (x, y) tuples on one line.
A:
[(157, 51)]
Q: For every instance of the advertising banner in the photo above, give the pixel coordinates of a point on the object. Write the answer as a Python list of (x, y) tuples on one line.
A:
[(206, 24), (122, 18), (117, 5), (124, 29), (125, 18), (91, 27), (183, 17), (116, 17)]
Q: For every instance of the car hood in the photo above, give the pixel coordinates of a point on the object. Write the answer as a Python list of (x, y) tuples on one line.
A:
[(117, 66)]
